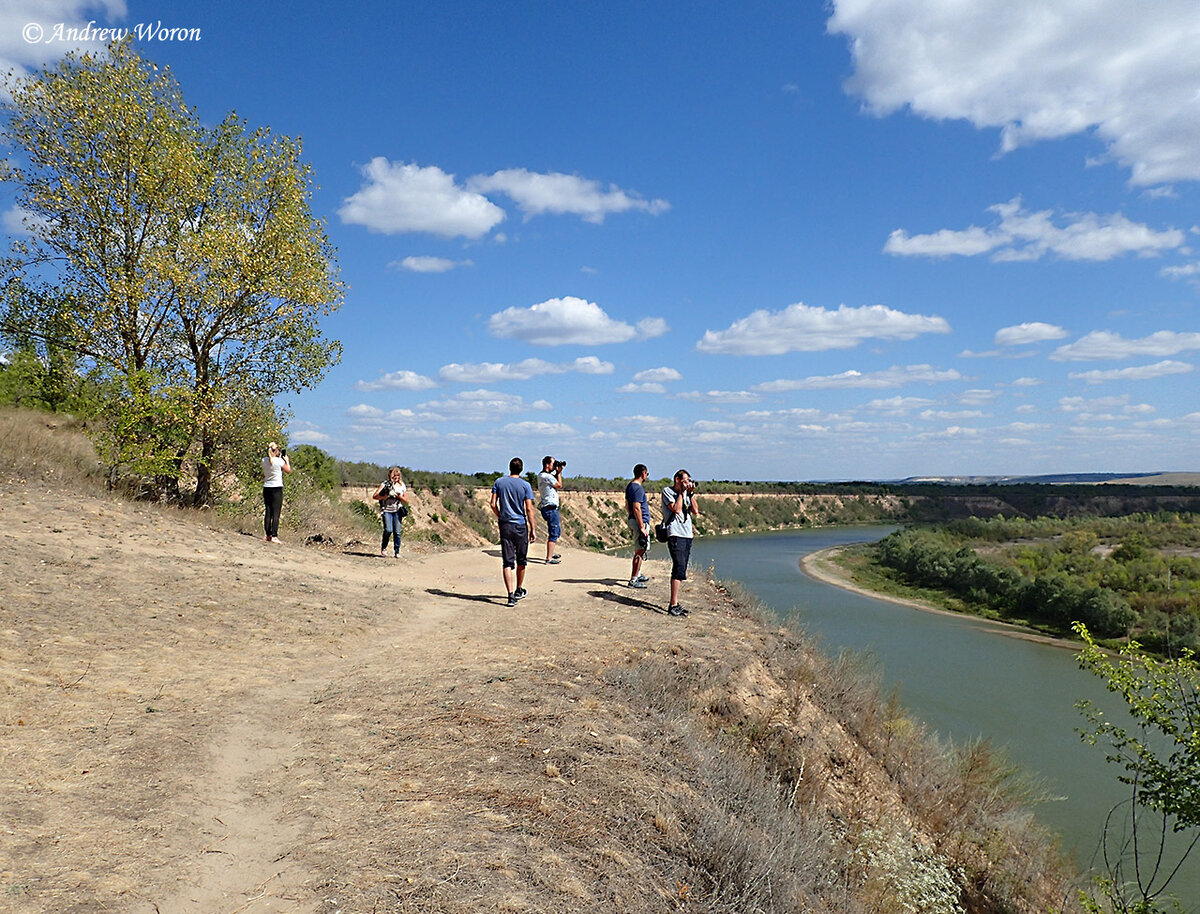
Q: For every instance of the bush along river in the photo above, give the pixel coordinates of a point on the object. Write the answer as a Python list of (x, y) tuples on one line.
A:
[(965, 678)]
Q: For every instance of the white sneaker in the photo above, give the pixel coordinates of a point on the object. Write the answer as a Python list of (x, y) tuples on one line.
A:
[(640, 585)]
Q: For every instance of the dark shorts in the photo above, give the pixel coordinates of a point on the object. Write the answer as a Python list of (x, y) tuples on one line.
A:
[(514, 545), (642, 539), (553, 524), (680, 548)]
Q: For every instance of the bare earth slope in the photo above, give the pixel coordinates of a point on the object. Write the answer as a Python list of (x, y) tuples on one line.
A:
[(197, 721)]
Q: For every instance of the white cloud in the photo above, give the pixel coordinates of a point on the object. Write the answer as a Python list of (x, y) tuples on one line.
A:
[(1021, 235), (408, 198), (480, 406), (896, 376), (1123, 71), (560, 321), (803, 328), (397, 380), (658, 375), (649, 387), (22, 56), (544, 429), (1136, 373), (897, 406), (491, 372), (1189, 271), (1024, 334), (422, 264), (951, 414), (719, 396), (1104, 344), (22, 223), (558, 193), (1026, 382)]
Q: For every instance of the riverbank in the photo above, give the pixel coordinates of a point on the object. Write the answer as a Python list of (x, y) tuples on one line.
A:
[(197, 720), (823, 566)]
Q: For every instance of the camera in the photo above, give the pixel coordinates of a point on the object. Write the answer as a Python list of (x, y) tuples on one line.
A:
[(282, 452), (559, 465)]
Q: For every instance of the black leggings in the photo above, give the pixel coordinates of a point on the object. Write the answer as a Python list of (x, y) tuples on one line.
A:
[(273, 502)]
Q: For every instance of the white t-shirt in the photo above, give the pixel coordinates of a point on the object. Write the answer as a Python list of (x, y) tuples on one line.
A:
[(393, 492), (272, 472), (547, 493), (678, 524)]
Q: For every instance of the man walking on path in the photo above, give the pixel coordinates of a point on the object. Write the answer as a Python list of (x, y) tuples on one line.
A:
[(679, 504), (512, 503), (549, 483), (637, 516)]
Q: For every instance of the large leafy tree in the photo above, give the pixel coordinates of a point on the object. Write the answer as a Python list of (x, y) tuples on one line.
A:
[(189, 257)]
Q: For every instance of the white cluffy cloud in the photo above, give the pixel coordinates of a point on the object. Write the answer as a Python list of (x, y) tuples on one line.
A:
[(1022, 235), (1024, 334), (397, 380), (21, 50), (408, 198), (557, 193), (804, 328), (491, 372), (1136, 373), (422, 264), (651, 381), (479, 406), (1123, 71), (560, 321), (1104, 344), (400, 197), (896, 376)]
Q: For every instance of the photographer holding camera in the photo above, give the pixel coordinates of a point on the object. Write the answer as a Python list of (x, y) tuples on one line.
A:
[(549, 483), (274, 465), (678, 506), (393, 500)]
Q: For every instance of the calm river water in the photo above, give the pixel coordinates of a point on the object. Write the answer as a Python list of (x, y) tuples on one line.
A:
[(964, 678)]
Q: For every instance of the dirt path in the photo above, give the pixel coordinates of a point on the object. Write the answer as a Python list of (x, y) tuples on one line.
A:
[(199, 721)]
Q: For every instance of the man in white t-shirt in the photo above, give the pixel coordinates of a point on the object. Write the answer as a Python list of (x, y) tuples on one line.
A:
[(549, 483)]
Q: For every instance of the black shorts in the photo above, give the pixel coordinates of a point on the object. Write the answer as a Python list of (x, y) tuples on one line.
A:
[(514, 545), (680, 548)]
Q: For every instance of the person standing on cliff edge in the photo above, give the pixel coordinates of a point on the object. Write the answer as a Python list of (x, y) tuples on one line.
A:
[(549, 484), (512, 503), (678, 505), (637, 516)]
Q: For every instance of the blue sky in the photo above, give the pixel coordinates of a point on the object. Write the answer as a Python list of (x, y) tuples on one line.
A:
[(864, 239)]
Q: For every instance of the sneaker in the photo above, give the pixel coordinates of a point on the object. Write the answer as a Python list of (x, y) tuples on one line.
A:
[(556, 556), (555, 561), (641, 577), (383, 553), (512, 599), (676, 610), (520, 593), (640, 585)]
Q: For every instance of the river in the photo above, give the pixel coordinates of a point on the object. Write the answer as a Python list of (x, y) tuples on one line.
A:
[(965, 678)]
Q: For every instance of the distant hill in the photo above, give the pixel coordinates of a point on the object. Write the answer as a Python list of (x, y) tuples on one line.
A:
[(1136, 479)]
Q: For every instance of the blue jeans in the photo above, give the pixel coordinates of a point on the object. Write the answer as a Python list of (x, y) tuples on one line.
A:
[(553, 524), (392, 523)]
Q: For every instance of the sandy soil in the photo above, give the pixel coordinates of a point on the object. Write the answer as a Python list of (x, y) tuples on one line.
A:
[(198, 721)]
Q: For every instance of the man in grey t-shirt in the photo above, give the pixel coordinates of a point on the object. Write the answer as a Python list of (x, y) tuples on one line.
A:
[(512, 503)]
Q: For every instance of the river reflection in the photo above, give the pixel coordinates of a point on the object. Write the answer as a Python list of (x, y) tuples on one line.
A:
[(964, 678)]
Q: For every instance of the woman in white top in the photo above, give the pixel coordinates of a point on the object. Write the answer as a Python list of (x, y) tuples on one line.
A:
[(274, 465), (392, 497)]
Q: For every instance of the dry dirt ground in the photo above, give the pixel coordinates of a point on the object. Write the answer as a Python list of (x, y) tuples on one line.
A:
[(194, 720)]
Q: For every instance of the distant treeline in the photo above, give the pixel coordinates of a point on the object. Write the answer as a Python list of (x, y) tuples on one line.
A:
[(1136, 575)]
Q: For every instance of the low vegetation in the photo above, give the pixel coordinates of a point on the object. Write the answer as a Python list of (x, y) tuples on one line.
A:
[(1135, 576)]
